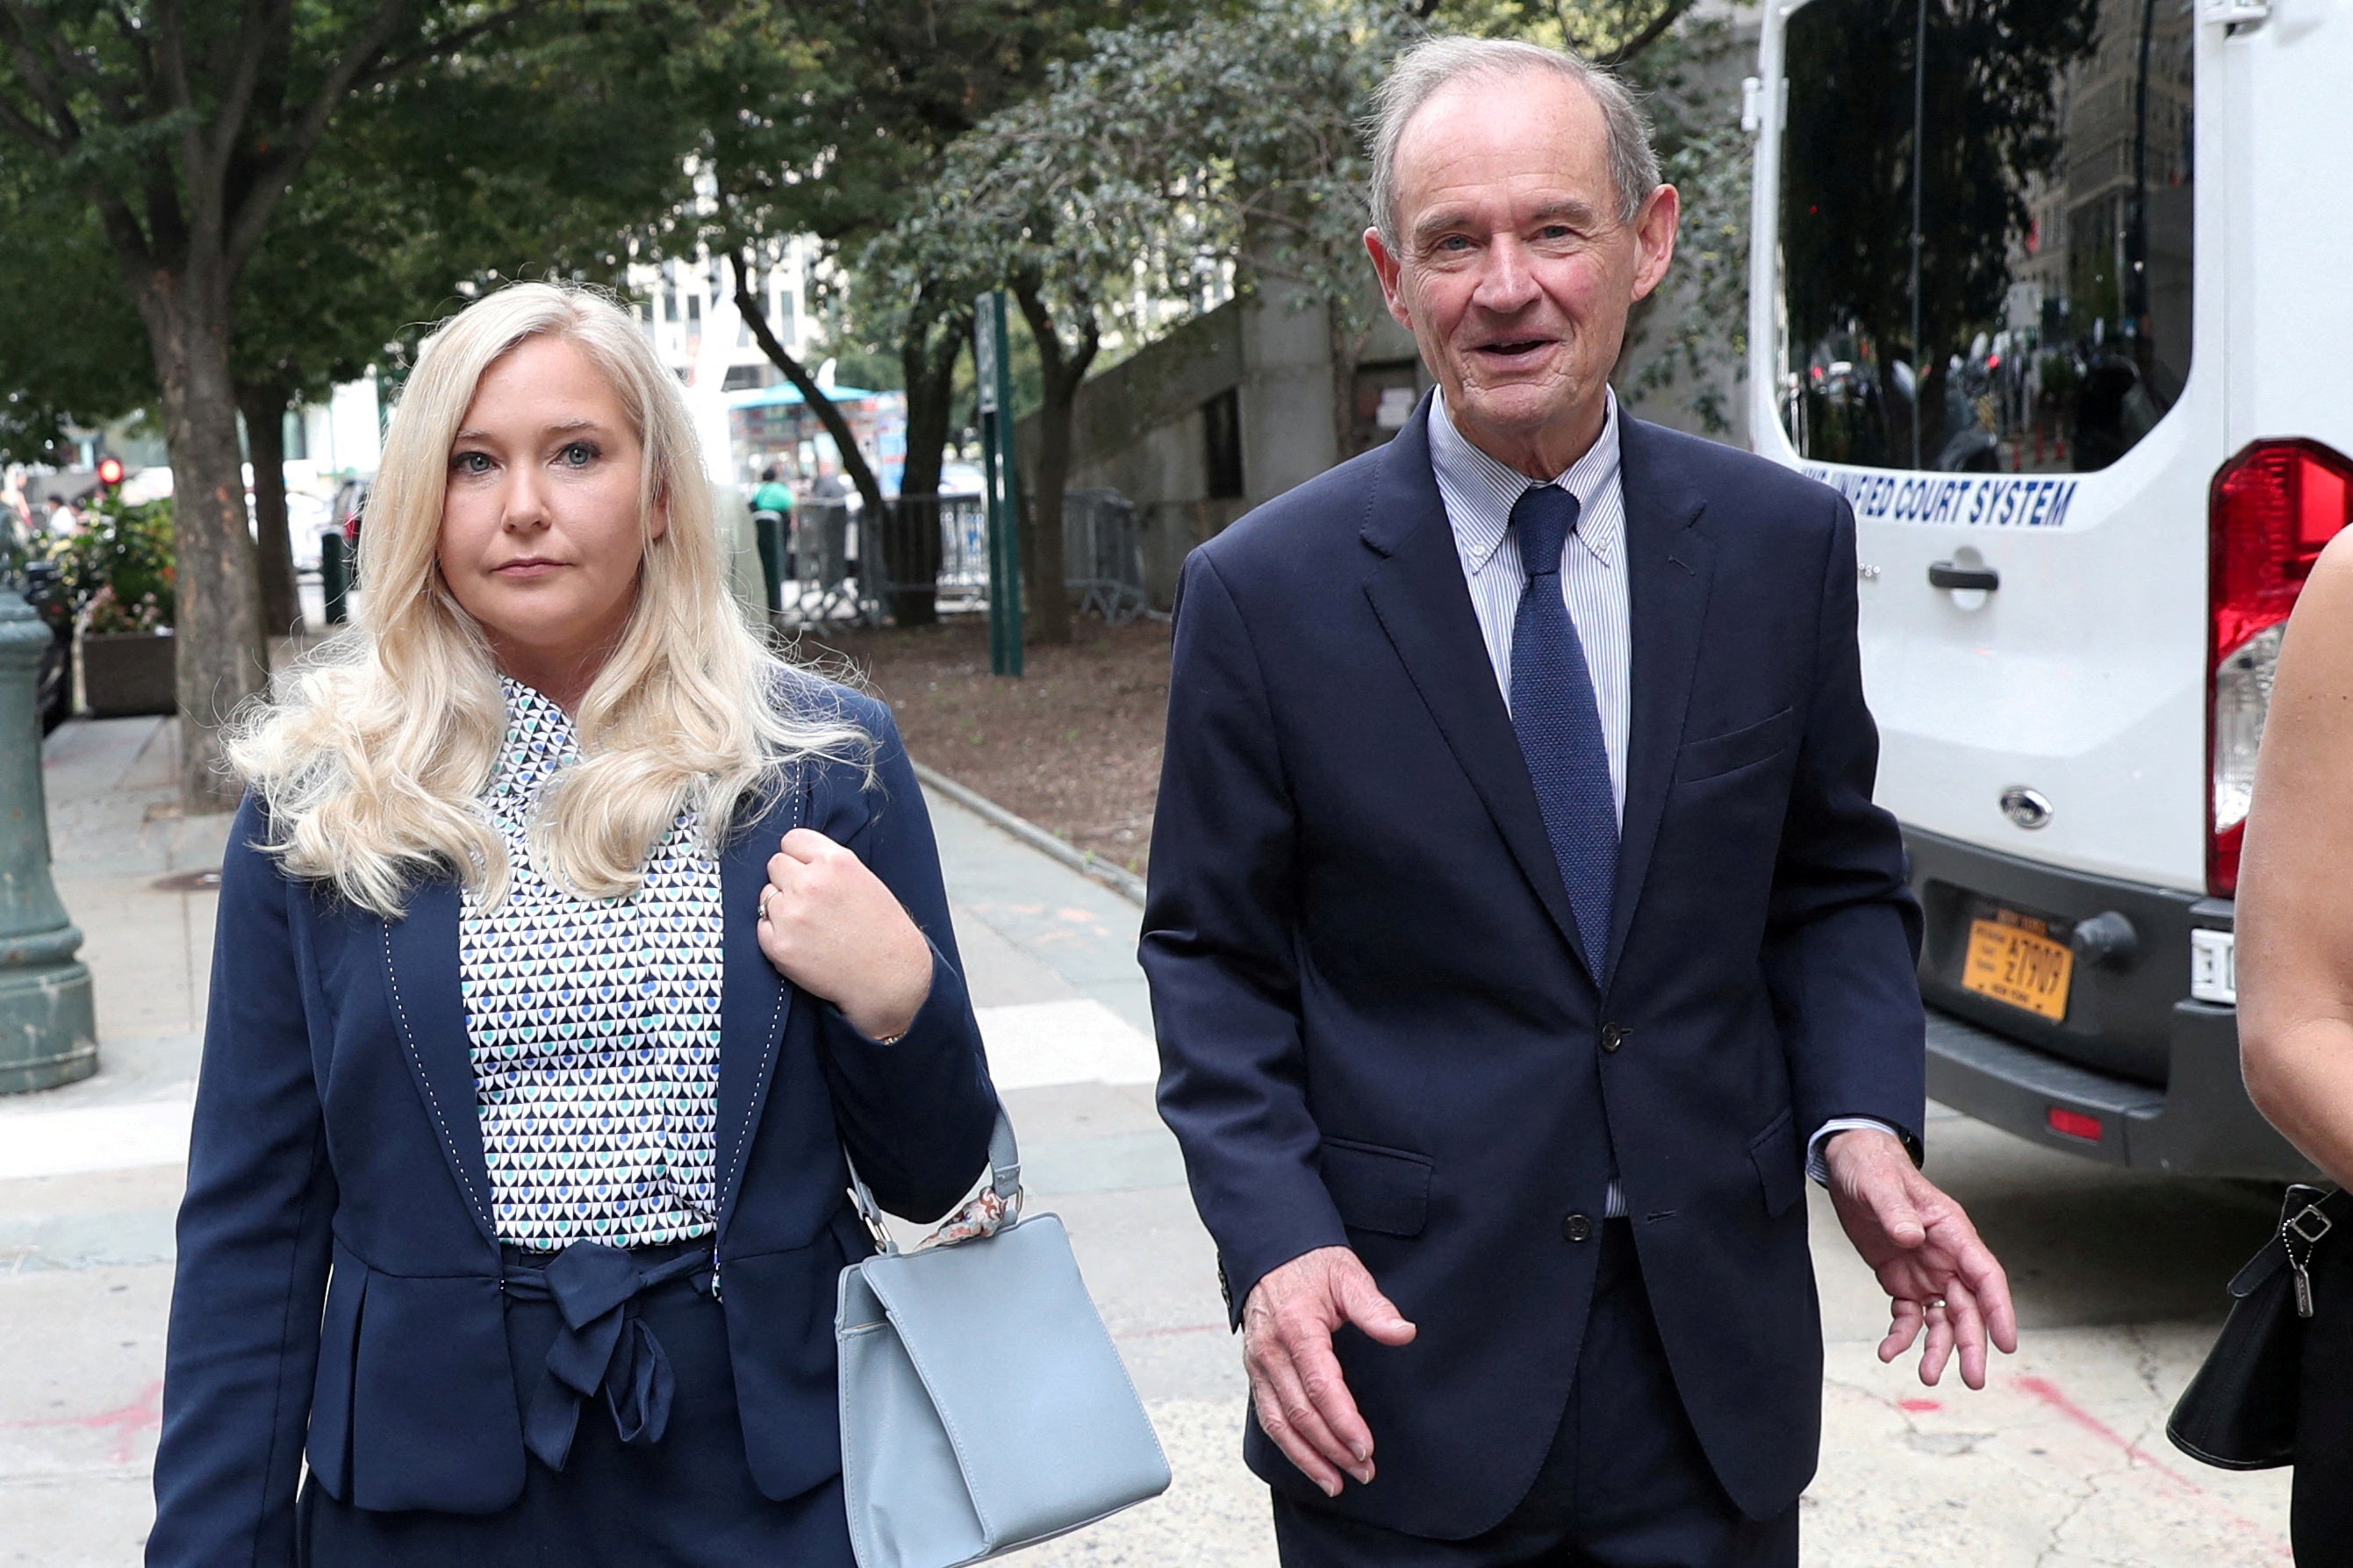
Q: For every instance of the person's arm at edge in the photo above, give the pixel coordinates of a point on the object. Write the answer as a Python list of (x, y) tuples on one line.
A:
[(1844, 933), (253, 1243), (1842, 953), (1217, 948), (2295, 944)]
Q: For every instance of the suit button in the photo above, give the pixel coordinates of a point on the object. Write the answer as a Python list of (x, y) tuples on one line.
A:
[(1612, 1036), (1577, 1227)]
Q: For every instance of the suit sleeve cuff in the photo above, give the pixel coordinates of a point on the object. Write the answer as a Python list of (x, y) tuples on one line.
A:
[(1817, 1167), (942, 1013)]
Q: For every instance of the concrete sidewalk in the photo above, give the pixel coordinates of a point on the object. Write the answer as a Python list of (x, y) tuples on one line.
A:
[(2062, 1462)]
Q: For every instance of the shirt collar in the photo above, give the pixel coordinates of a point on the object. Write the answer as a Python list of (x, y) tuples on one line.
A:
[(1466, 469), (539, 742)]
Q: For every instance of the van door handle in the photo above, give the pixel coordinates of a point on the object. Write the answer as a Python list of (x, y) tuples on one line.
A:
[(1945, 574)]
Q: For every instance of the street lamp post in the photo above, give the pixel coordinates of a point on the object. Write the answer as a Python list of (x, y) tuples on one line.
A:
[(48, 1031)]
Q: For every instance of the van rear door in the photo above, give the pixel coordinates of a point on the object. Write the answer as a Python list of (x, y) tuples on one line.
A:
[(1979, 284)]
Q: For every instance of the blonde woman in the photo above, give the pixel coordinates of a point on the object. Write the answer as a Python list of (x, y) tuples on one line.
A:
[(568, 939)]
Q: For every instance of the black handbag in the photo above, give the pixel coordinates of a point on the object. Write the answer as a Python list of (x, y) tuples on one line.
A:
[(2240, 1412)]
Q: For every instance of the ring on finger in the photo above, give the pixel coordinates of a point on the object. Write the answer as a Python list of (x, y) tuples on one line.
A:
[(1932, 1304)]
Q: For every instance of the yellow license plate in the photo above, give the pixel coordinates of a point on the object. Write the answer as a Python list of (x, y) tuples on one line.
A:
[(2023, 967)]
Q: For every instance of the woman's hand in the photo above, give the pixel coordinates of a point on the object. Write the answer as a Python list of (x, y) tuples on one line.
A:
[(831, 928)]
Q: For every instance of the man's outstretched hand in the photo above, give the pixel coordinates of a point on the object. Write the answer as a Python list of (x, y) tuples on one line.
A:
[(1303, 1402), (1926, 1253)]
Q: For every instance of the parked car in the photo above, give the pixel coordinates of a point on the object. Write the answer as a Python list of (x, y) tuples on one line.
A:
[(307, 517), (2081, 534)]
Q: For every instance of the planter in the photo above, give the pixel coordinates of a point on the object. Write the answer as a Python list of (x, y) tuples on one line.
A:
[(129, 673)]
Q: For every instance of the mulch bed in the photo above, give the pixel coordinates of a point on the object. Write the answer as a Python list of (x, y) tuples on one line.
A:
[(1074, 745)]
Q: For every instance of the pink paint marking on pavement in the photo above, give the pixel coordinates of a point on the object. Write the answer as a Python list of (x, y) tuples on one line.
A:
[(2049, 1392), (2051, 1395), (126, 1424)]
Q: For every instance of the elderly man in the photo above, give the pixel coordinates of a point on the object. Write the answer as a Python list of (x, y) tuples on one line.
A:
[(1521, 928)]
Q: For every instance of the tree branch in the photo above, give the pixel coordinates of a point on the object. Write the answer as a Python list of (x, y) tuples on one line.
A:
[(18, 123), (27, 60), (172, 53), (393, 66), (70, 63), (754, 312), (1657, 30), (243, 229), (260, 18)]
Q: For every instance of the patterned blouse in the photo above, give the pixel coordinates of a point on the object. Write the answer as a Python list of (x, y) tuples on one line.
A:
[(594, 1025)]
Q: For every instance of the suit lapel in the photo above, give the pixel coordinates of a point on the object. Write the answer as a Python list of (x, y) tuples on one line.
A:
[(1418, 592), (421, 982), (1667, 563), (754, 1000)]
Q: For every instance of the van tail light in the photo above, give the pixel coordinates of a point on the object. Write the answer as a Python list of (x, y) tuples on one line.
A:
[(2272, 510)]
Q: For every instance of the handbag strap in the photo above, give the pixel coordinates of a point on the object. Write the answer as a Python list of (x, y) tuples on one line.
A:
[(1004, 1179)]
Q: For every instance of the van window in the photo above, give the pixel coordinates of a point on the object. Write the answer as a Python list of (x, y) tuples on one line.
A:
[(1985, 230)]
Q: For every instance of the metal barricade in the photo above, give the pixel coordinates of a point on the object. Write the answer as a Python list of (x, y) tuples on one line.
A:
[(837, 571), (1102, 554), (963, 552), (827, 583)]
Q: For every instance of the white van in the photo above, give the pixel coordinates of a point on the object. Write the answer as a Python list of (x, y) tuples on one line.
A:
[(2084, 508)]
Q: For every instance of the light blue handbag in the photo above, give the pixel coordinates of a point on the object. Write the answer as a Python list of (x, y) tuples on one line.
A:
[(984, 1407)]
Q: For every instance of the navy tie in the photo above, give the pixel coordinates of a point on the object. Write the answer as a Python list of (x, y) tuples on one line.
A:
[(1558, 721)]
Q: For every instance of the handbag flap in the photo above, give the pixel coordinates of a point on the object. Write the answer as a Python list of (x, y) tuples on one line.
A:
[(907, 1504), (1035, 1400)]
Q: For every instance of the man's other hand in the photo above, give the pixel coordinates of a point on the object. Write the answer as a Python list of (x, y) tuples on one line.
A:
[(1926, 1253), (1303, 1402)]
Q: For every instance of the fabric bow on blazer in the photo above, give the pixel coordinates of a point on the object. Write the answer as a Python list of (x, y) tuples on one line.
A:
[(339, 1288), (1380, 1029)]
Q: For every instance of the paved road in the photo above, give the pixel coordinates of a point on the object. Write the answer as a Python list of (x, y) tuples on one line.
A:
[(2062, 1463)]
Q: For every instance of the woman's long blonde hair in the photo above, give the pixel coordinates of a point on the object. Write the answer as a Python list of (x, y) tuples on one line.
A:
[(372, 751)]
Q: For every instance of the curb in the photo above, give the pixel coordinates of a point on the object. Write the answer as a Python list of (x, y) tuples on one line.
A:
[(1118, 878)]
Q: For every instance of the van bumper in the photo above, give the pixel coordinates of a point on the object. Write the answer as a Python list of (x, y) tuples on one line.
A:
[(2153, 1071), (2200, 1124)]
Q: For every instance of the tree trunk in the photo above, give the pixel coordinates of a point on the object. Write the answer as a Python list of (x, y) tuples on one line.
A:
[(264, 408), (1043, 571), (927, 355), (1347, 353), (217, 643)]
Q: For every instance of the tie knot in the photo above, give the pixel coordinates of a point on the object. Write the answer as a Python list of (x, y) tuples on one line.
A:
[(1545, 516)]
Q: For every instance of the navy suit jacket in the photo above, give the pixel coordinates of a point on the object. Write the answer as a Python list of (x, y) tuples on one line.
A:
[(337, 1289), (1378, 1029)]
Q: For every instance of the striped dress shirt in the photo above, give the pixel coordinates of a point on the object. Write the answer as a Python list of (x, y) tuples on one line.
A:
[(1479, 491)]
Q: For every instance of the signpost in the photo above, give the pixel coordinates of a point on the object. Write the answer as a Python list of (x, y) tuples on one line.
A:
[(994, 371)]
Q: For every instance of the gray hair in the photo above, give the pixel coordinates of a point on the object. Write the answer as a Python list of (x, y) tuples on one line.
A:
[(1433, 63)]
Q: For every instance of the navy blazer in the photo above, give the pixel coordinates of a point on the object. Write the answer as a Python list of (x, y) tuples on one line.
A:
[(1378, 1029), (338, 1290)]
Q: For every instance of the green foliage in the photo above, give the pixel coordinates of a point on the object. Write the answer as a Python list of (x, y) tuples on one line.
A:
[(72, 350), (117, 571), (1166, 163), (532, 157), (1697, 323), (1175, 159)]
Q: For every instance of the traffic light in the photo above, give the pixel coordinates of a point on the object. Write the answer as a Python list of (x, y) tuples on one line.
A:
[(109, 474)]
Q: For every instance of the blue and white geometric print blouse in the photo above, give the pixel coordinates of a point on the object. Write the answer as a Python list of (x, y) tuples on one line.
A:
[(594, 1025)]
